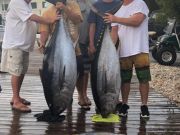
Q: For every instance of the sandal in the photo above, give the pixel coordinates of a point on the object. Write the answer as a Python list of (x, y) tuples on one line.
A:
[(22, 109), (84, 106), (24, 101)]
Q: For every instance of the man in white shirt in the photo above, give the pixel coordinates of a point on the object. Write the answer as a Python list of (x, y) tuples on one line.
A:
[(19, 39), (130, 24)]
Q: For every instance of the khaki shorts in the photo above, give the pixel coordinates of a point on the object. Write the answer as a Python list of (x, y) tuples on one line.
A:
[(14, 61), (140, 62)]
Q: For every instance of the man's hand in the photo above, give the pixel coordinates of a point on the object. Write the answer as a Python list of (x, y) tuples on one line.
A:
[(134, 20), (43, 20), (41, 47), (60, 5), (54, 19), (109, 18), (91, 49)]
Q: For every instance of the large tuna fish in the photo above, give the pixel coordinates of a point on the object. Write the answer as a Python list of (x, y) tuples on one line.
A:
[(105, 73), (59, 70), (108, 74), (106, 86)]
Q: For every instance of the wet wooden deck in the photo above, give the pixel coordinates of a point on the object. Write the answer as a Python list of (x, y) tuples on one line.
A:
[(164, 119)]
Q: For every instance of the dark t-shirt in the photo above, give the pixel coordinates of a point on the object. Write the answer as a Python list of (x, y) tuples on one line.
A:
[(94, 18)]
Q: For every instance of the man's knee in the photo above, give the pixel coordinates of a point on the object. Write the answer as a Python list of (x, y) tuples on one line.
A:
[(143, 74), (126, 76)]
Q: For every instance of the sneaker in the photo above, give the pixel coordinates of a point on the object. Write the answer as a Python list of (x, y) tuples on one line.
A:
[(118, 106), (123, 111), (144, 111)]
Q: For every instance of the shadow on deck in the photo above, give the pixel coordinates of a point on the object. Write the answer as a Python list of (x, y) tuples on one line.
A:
[(164, 119)]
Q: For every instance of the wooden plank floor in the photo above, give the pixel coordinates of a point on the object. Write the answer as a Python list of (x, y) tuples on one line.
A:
[(164, 119)]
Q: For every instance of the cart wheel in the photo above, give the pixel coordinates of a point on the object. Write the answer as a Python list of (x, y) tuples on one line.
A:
[(154, 52), (166, 56)]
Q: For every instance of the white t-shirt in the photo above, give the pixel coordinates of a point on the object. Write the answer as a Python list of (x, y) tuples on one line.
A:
[(133, 40), (19, 31)]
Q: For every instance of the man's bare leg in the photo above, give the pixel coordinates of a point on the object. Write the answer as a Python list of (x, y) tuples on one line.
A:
[(125, 89), (85, 84), (79, 85), (144, 91), (16, 82), (19, 82)]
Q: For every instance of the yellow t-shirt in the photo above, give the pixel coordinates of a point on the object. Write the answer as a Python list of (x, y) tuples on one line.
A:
[(73, 28)]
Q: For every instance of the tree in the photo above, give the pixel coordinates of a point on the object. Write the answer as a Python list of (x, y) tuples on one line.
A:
[(171, 8)]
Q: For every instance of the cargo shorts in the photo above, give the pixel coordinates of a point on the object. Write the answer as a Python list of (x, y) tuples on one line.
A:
[(141, 64), (14, 61)]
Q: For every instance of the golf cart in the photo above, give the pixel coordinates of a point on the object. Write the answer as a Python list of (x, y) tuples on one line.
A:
[(167, 45)]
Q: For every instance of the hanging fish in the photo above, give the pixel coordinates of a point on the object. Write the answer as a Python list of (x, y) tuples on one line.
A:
[(108, 76), (59, 71), (105, 70)]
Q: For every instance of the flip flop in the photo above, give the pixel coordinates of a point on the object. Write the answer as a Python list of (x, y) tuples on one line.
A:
[(22, 109), (24, 101), (84, 106)]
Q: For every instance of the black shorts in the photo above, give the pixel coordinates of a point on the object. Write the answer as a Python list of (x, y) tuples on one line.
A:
[(86, 58)]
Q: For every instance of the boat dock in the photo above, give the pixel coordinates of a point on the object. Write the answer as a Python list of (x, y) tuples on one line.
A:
[(164, 118)]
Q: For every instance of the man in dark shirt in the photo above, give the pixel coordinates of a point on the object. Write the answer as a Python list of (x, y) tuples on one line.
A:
[(96, 31), (97, 23)]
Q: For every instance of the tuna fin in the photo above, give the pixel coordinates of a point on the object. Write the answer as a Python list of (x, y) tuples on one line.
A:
[(104, 83), (63, 77)]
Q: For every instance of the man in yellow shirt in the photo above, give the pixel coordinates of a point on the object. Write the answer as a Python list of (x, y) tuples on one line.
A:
[(73, 17)]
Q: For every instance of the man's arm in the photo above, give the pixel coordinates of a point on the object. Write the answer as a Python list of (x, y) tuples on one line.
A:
[(44, 37), (44, 30), (114, 34), (134, 20), (92, 28), (43, 20), (71, 14)]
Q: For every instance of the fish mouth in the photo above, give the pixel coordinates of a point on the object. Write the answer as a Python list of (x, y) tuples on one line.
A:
[(108, 105), (107, 109), (61, 102)]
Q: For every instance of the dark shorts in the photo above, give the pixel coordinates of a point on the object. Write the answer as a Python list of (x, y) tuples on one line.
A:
[(141, 64), (86, 58)]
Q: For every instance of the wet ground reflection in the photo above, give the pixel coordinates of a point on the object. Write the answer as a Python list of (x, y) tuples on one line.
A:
[(164, 118), (15, 127), (123, 126)]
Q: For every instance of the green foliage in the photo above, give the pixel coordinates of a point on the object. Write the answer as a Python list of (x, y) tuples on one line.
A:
[(170, 8)]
